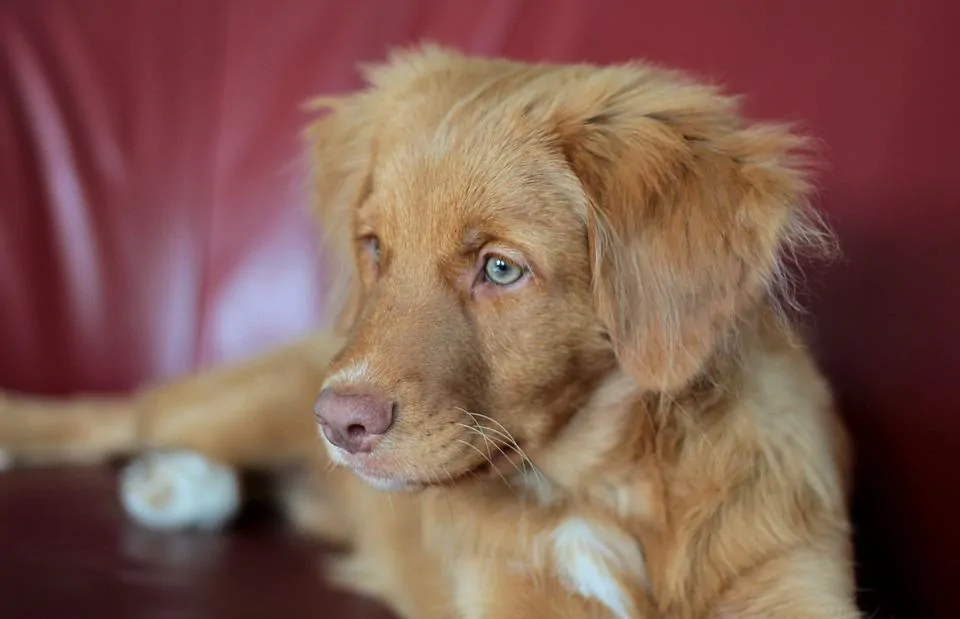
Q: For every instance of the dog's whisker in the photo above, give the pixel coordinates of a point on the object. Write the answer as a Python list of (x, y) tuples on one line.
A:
[(503, 432), (503, 440), (507, 439), (525, 464), (499, 444), (488, 440), (486, 459)]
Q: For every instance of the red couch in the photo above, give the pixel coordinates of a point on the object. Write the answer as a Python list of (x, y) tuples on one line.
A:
[(152, 221)]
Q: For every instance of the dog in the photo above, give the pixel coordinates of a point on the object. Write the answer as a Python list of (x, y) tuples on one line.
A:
[(562, 380)]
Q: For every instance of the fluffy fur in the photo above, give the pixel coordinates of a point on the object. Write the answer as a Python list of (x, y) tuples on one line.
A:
[(632, 429)]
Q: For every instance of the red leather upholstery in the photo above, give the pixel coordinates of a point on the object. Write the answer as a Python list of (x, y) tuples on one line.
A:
[(151, 208)]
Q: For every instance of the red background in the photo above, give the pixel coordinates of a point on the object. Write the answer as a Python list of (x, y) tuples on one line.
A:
[(152, 209)]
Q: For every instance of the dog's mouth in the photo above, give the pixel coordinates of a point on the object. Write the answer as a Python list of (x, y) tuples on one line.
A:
[(388, 484), (498, 463)]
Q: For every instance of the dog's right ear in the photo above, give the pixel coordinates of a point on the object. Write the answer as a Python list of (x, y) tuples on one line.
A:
[(341, 153)]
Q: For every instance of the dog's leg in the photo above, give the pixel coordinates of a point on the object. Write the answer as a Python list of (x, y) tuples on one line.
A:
[(316, 500), (807, 583), (256, 414), (192, 435), (253, 414), (40, 430)]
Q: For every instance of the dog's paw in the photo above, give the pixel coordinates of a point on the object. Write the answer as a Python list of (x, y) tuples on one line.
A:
[(179, 490)]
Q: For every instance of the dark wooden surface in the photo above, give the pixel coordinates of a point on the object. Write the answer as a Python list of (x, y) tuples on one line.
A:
[(68, 551)]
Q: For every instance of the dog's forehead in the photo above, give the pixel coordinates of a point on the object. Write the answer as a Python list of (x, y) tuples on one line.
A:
[(438, 189)]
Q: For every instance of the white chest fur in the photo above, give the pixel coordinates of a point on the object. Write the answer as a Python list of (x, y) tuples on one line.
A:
[(596, 560)]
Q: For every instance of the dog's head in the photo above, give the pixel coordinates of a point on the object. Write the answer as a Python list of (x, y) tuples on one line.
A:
[(517, 234)]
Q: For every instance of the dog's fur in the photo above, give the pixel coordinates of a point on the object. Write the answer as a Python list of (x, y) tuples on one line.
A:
[(632, 429)]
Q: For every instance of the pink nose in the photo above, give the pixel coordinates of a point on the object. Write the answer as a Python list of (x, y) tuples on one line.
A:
[(354, 420)]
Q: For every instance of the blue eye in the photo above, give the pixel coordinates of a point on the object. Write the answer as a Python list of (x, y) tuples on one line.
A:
[(501, 272), (373, 246)]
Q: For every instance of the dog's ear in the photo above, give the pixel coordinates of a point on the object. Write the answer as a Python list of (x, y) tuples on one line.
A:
[(341, 152), (689, 212)]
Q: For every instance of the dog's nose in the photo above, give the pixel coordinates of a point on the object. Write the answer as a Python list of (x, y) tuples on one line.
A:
[(353, 421)]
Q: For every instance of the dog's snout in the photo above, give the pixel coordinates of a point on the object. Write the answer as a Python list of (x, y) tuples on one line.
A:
[(353, 420)]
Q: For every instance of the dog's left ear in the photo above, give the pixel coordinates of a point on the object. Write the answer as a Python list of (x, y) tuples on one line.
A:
[(689, 212), (340, 146)]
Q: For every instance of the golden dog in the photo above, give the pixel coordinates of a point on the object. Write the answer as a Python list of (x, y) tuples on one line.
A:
[(562, 382)]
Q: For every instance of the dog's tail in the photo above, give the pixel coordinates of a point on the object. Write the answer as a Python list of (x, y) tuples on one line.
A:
[(250, 415)]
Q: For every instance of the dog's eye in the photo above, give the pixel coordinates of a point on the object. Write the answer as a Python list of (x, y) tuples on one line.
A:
[(502, 272), (372, 245)]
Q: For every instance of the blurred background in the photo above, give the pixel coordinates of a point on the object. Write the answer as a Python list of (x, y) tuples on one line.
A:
[(153, 221)]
